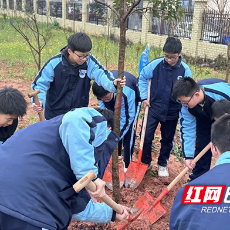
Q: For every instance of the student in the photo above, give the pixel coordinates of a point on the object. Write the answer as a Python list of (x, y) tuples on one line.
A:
[(196, 118), (40, 164), (12, 106), (130, 100), (163, 109), (64, 81), (208, 216), (220, 108)]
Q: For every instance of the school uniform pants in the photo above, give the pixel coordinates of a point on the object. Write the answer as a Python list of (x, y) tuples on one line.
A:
[(167, 129), (203, 137), (128, 143)]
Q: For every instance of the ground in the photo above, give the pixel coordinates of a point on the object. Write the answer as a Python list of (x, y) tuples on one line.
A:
[(151, 182)]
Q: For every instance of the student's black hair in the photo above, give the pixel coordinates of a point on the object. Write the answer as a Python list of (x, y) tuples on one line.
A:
[(99, 91), (80, 42), (109, 116), (12, 102), (220, 108), (172, 45), (186, 87), (220, 133)]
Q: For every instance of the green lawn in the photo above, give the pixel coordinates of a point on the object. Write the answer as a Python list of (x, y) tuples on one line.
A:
[(14, 51)]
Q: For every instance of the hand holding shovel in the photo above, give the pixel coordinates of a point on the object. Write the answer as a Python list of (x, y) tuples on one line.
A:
[(36, 101)]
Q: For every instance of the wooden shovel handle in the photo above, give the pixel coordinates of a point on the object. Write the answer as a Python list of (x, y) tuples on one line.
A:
[(144, 125), (82, 183), (185, 170), (106, 199), (36, 101)]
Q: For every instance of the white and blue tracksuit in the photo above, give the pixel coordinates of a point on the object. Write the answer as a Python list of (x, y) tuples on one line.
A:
[(195, 124), (65, 86), (164, 108), (189, 216), (130, 99), (40, 164)]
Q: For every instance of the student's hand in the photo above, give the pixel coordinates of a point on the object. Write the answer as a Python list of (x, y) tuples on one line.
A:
[(189, 163), (100, 192), (122, 82), (37, 108), (145, 104), (124, 215)]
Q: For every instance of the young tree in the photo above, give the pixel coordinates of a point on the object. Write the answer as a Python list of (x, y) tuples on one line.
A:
[(123, 9), (35, 34)]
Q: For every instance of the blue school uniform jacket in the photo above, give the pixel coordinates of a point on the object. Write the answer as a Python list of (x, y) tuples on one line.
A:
[(215, 90), (130, 98), (40, 164), (65, 86), (191, 216), (163, 76)]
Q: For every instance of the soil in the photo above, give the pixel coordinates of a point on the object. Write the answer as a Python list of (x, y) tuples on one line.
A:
[(151, 182)]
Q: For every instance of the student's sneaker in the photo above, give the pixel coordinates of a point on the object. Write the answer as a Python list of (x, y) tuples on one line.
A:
[(163, 171)]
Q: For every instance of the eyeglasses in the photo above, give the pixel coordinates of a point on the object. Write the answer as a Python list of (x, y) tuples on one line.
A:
[(186, 103), (171, 58), (83, 57)]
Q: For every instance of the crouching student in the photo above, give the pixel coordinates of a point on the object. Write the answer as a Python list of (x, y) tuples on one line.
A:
[(12, 106), (40, 164), (220, 108), (208, 216), (130, 99)]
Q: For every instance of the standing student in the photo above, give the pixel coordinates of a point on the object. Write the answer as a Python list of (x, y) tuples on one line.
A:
[(12, 106), (64, 81), (163, 73), (196, 118)]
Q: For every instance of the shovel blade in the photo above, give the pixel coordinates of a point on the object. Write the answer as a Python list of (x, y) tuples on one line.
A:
[(151, 213), (108, 175), (135, 174)]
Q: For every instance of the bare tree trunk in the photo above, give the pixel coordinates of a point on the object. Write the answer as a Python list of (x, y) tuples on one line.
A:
[(117, 111)]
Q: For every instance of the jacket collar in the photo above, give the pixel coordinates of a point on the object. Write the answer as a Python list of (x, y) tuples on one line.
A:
[(223, 159)]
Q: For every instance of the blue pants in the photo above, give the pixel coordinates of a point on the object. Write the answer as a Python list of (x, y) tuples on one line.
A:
[(11, 223), (128, 146), (168, 129), (203, 137)]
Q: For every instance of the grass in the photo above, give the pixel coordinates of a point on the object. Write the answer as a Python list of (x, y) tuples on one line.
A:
[(14, 51)]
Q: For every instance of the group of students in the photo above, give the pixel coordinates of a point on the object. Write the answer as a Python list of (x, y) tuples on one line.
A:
[(40, 164)]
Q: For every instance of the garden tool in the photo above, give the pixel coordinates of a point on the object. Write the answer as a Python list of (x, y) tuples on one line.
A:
[(116, 207), (108, 173), (153, 210), (36, 101), (136, 170), (79, 185)]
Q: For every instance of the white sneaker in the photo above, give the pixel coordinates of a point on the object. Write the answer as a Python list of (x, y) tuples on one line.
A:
[(163, 171)]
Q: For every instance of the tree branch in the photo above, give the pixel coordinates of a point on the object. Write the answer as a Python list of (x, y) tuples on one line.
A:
[(109, 6), (136, 3)]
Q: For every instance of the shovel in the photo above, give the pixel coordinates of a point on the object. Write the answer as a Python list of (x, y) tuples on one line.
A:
[(36, 101), (136, 170), (108, 174), (153, 210), (116, 207)]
